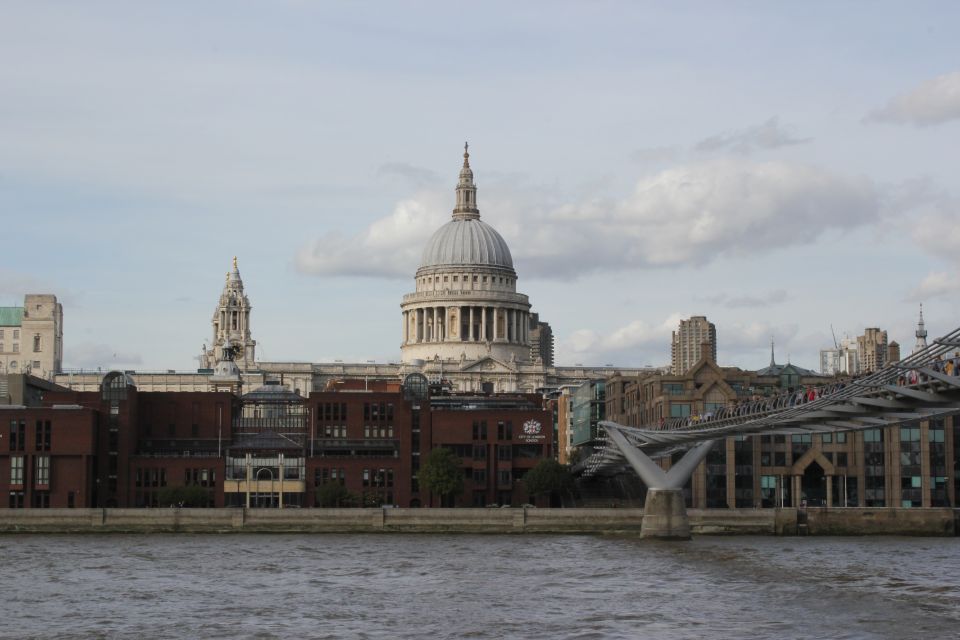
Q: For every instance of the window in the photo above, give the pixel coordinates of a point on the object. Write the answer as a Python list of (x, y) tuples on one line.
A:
[(909, 434), (18, 435), (16, 334), (16, 470), (680, 410), (16, 347), (43, 435), (42, 476), (36, 343), (16, 499)]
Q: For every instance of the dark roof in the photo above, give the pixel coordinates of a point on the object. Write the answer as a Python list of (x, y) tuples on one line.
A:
[(265, 440), (271, 393), (779, 369)]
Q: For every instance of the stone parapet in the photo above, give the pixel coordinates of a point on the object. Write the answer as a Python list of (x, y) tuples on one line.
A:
[(924, 522)]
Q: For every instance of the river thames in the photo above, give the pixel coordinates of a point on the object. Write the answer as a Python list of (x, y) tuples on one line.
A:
[(437, 586)]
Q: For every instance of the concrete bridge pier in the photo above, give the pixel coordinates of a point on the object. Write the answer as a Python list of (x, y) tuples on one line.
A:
[(665, 510), (665, 515)]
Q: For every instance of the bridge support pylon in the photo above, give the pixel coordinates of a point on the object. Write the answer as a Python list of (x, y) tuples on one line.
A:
[(665, 510), (665, 515)]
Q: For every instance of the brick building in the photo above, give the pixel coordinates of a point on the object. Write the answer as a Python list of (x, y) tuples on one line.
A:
[(269, 447)]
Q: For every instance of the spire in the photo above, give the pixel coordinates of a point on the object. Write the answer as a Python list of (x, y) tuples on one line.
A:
[(773, 362), (235, 274), (921, 333), (466, 208)]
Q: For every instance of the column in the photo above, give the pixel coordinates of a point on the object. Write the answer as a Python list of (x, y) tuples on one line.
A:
[(280, 491), (483, 324), (829, 491), (470, 333), (405, 333), (515, 324), (441, 325), (460, 335)]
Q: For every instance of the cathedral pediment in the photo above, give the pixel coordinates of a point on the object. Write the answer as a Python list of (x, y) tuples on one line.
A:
[(488, 365)]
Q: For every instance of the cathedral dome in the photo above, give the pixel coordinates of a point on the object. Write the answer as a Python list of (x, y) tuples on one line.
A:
[(467, 242)]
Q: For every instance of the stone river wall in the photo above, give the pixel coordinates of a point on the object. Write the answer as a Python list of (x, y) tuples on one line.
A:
[(936, 522)]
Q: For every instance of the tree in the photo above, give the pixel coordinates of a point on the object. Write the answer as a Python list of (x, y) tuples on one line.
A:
[(334, 494), (550, 478), (442, 474)]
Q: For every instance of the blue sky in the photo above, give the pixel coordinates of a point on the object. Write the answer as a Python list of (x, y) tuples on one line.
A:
[(778, 167)]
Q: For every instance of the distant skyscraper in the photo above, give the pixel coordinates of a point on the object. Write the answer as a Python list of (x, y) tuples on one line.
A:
[(873, 350), (687, 343), (921, 334)]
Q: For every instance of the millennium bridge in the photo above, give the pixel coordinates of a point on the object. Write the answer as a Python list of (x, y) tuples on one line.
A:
[(918, 387)]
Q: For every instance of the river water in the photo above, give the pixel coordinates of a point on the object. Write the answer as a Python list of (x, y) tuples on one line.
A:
[(437, 586)]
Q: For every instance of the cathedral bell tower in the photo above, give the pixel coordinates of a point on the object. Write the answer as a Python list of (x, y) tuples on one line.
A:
[(231, 326)]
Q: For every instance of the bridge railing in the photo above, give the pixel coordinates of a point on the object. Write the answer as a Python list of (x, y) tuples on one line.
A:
[(766, 413), (903, 373)]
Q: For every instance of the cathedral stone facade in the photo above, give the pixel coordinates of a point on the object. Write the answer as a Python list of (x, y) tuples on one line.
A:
[(465, 306), (465, 326), (231, 326)]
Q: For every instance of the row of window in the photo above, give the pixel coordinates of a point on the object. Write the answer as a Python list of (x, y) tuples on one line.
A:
[(504, 430), (200, 477), (39, 500), (374, 411), (336, 411), (369, 431), (154, 477), (378, 478), (37, 346), (466, 278), (41, 470)]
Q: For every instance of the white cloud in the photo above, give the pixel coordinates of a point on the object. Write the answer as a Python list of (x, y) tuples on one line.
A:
[(637, 341), (695, 214), (389, 247), (640, 342), (418, 176), (749, 302), (938, 233), (933, 102), (769, 135), (690, 215), (655, 155), (935, 284)]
